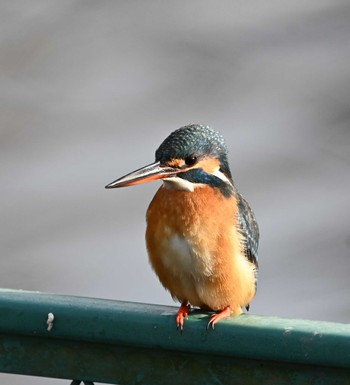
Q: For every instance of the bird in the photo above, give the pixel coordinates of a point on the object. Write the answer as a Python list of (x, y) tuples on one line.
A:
[(202, 236)]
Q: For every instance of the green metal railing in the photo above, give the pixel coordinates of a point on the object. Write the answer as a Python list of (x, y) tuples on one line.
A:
[(95, 340)]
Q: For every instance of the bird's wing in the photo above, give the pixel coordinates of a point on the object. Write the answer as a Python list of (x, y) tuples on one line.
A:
[(248, 228)]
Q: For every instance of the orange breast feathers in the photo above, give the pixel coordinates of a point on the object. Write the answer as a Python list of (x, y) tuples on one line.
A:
[(196, 250)]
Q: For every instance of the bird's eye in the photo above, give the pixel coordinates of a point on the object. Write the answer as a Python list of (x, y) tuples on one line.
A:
[(191, 160)]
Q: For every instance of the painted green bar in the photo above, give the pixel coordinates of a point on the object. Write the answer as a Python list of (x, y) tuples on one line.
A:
[(115, 364), (97, 326)]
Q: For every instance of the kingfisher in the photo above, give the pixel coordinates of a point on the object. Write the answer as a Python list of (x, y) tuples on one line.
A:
[(202, 236)]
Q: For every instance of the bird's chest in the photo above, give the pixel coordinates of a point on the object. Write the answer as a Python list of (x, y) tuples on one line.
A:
[(184, 230), (183, 257)]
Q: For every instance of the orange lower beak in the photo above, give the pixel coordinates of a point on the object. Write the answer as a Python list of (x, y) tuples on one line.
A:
[(145, 174)]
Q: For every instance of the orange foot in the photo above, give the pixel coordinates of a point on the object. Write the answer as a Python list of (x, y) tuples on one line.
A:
[(182, 314), (218, 317)]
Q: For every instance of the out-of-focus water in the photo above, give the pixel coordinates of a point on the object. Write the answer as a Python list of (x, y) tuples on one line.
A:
[(90, 89)]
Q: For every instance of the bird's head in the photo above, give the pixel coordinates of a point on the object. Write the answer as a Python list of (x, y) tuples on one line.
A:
[(194, 155)]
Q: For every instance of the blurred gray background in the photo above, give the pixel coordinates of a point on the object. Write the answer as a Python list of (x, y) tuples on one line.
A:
[(89, 89)]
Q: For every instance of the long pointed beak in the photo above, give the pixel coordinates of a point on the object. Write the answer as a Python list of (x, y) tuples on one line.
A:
[(145, 174)]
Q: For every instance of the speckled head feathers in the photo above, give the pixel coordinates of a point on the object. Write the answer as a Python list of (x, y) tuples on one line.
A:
[(194, 139)]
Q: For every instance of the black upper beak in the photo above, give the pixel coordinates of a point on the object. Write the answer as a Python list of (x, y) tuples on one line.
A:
[(145, 174)]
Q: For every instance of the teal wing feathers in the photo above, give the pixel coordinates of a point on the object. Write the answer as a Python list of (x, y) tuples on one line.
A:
[(248, 228)]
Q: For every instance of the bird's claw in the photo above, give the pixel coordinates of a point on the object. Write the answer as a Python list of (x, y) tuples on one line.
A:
[(182, 314), (218, 317), (211, 324)]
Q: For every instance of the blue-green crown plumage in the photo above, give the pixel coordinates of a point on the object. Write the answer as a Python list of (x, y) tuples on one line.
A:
[(197, 140)]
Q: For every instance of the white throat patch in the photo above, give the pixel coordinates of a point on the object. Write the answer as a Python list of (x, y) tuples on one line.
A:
[(179, 184)]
